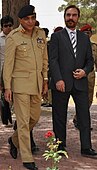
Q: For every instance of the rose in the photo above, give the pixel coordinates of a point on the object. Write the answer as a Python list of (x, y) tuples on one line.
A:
[(53, 153), (49, 134)]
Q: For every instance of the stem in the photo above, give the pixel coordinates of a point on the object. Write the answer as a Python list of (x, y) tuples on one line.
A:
[(52, 163)]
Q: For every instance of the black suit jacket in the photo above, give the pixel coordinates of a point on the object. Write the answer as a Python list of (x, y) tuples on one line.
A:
[(62, 61)]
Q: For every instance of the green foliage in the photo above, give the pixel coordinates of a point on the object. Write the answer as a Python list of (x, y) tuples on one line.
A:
[(52, 168), (88, 9), (53, 153)]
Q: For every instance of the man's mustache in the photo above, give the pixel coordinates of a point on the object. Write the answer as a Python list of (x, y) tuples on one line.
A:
[(70, 20)]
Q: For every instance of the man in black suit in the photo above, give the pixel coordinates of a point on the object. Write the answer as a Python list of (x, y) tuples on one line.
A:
[(70, 62)]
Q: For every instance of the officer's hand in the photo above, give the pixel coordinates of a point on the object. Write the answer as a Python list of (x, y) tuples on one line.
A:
[(60, 85), (8, 95), (45, 89)]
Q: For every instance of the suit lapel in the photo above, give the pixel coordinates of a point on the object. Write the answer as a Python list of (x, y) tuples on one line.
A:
[(67, 40)]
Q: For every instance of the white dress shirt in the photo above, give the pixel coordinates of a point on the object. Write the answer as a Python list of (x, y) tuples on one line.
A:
[(69, 30), (2, 48), (2, 51)]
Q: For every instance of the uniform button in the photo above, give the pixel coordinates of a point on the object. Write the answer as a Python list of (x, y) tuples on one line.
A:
[(25, 49)]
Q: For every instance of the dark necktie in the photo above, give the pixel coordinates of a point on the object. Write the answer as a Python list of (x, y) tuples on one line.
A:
[(73, 41)]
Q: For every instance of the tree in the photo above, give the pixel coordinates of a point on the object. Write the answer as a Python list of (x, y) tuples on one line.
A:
[(88, 10), (12, 7)]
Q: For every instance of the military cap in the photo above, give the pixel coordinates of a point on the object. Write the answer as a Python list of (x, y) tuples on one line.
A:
[(26, 11), (86, 27)]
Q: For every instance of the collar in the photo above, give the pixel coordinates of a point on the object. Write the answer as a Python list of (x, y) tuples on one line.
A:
[(69, 30), (2, 34)]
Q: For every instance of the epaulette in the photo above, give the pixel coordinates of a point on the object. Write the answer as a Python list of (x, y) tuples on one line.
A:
[(38, 28), (93, 42), (13, 32)]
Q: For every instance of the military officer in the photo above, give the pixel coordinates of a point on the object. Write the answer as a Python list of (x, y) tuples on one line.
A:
[(94, 48), (25, 74), (87, 29), (91, 77), (94, 42)]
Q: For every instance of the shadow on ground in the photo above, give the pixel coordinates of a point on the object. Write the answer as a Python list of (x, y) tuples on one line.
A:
[(75, 160)]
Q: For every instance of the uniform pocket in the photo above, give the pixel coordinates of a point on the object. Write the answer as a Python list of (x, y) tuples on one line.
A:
[(40, 45), (23, 49), (20, 74)]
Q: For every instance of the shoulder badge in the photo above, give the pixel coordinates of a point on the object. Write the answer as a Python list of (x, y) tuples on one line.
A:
[(40, 40)]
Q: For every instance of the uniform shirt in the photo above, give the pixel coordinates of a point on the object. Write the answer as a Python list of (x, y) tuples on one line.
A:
[(2, 49), (26, 61), (94, 48)]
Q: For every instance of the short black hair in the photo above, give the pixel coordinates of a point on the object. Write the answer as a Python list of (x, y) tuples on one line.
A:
[(37, 23), (46, 30), (6, 19), (58, 29), (72, 6)]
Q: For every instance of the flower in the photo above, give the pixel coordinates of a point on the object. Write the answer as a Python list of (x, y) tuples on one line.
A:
[(49, 134), (53, 153)]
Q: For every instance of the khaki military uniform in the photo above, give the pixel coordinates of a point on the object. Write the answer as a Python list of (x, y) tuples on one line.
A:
[(94, 48), (25, 67), (91, 76)]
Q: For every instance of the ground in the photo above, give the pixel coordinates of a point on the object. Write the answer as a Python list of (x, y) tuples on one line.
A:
[(75, 160)]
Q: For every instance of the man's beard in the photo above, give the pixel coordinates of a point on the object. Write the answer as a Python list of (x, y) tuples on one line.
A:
[(70, 24)]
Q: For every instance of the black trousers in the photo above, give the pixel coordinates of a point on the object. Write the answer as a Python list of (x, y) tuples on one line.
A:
[(5, 111), (59, 115)]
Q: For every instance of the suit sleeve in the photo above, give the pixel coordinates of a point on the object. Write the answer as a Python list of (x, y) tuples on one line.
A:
[(53, 58), (89, 62)]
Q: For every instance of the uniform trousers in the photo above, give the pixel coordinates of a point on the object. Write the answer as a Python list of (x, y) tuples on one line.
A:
[(27, 109), (59, 115), (91, 84)]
